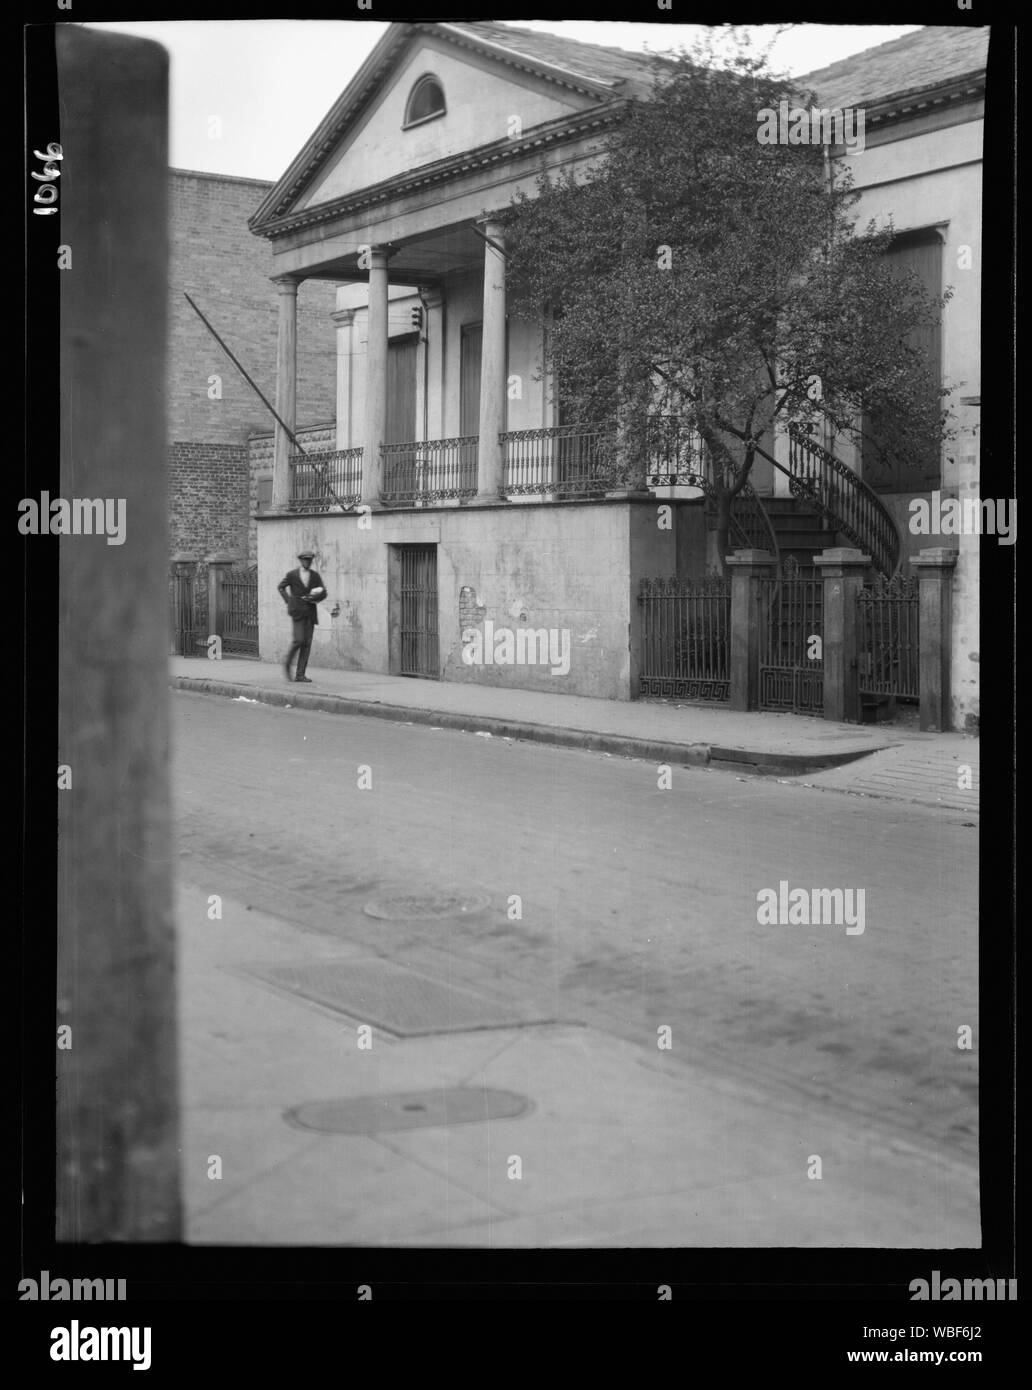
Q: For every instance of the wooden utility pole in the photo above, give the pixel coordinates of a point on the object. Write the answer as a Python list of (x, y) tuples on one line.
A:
[(117, 1135)]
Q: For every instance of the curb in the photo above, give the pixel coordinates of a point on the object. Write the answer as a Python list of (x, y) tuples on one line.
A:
[(773, 763), (618, 745)]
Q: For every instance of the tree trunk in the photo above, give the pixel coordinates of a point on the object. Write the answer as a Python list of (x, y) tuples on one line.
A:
[(723, 529)]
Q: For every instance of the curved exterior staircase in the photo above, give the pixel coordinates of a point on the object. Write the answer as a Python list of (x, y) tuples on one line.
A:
[(828, 500)]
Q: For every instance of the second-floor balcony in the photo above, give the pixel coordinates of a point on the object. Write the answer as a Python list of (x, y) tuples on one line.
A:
[(325, 482), (557, 463)]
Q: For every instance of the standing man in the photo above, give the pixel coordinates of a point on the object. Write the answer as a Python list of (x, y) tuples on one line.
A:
[(302, 589)]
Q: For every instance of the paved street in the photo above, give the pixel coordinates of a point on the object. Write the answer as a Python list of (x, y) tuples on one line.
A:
[(638, 913)]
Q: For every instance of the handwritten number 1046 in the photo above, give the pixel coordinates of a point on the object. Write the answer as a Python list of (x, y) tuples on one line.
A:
[(48, 193)]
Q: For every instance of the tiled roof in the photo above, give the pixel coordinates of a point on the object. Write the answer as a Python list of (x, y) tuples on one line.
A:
[(613, 66), (933, 55)]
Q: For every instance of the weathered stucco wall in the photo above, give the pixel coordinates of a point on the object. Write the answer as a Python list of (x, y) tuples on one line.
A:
[(571, 570), (934, 179)]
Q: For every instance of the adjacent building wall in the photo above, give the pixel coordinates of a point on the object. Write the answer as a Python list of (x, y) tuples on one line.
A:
[(216, 260), (928, 173), (212, 484)]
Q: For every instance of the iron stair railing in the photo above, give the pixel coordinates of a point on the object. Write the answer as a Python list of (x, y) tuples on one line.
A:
[(817, 477), (751, 525), (677, 456)]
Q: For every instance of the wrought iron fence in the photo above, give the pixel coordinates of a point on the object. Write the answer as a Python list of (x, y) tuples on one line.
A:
[(686, 638), (791, 665), (237, 617), (186, 638), (320, 482), (430, 470), (564, 460), (888, 637)]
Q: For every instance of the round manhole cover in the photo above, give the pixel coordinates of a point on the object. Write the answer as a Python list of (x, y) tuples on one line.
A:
[(458, 1105), (402, 907)]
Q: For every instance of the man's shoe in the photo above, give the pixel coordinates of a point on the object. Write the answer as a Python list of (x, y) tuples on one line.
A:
[(287, 675), (302, 680)]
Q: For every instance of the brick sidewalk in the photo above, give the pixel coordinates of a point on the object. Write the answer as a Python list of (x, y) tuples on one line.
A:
[(927, 768)]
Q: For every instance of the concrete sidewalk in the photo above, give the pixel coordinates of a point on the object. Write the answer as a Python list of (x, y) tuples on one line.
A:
[(911, 767), (618, 1144)]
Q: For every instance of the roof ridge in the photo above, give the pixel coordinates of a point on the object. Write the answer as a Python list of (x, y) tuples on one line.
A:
[(888, 45), (638, 57)]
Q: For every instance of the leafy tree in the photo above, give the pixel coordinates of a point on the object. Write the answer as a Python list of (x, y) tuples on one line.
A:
[(698, 273)]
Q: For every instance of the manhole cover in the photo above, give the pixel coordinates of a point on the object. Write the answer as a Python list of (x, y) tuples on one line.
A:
[(459, 1105), (401, 907), (396, 1000)]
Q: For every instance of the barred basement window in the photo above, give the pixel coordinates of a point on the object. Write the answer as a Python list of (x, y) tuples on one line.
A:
[(426, 100)]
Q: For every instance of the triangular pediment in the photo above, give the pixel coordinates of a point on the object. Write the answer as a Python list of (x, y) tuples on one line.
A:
[(492, 92)]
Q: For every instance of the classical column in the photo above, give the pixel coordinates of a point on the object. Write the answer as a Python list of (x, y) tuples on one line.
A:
[(345, 321), (492, 364), (844, 572), (935, 568), (747, 567), (376, 375), (286, 389)]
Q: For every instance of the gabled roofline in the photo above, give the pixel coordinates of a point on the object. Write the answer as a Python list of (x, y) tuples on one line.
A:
[(326, 132), (360, 89), (557, 131), (554, 72)]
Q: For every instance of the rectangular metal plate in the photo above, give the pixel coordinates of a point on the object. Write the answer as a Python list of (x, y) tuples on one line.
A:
[(397, 1000)]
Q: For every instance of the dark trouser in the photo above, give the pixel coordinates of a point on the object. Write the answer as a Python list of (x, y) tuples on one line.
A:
[(302, 644)]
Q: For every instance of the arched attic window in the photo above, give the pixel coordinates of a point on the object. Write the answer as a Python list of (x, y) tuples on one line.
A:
[(426, 100)]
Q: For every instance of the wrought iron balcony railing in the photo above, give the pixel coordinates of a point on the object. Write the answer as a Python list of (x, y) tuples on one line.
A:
[(320, 482), (429, 470), (563, 460), (675, 455)]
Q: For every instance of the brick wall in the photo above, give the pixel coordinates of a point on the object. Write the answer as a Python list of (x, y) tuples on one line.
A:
[(208, 498), (208, 507), (225, 269)]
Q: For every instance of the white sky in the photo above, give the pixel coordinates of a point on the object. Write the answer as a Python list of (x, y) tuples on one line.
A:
[(271, 82)]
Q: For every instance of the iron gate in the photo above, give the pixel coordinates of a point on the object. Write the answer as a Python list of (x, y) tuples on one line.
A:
[(685, 638), (418, 612), (236, 620), (792, 641), (888, 638), (184, 633)]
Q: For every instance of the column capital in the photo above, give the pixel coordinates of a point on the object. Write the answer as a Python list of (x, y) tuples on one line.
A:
[(286, 284), (382, 254), (343, 317)]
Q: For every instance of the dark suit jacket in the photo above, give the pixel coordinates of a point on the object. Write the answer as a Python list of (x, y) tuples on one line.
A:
[(300, 603)]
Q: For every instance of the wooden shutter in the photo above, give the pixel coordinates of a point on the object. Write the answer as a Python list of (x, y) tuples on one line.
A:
[(401, 391), (469, 378)]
